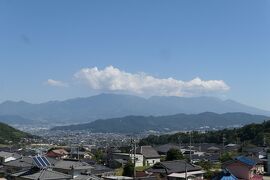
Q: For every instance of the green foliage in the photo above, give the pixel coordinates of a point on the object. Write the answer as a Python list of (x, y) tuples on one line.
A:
[(99, 156), (9, 134), (210, 174), (226, 157), (210, 168), (119, 172), (257, 134), (128, 169), (206, 165), (174, 154)]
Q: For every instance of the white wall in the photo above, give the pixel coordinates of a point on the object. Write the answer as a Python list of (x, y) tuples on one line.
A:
[(151, 162), (139, 160)]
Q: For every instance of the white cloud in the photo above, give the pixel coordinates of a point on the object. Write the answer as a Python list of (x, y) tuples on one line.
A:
[(113, 79), (56, 83)]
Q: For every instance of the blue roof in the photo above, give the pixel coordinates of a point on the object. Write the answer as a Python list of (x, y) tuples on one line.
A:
[(228, 178), (227, 175), (246, 160)]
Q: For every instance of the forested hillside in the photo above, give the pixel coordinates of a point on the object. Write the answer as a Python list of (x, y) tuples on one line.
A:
[(8, 133), (256, 134)]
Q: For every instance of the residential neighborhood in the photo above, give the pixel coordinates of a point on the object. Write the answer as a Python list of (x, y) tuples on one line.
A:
[(150, 162)]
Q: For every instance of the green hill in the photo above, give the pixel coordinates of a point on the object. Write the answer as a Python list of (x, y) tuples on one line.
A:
[(256, 134), (8, 133), (178, 122)]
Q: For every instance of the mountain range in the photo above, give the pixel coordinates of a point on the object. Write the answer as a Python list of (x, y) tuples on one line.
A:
[(140, 124), (106, 106)]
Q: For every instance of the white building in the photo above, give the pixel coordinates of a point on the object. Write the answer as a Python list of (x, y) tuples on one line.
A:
[(127, 157), (150, 155)]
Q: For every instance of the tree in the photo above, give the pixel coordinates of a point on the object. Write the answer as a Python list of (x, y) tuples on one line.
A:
[(128, 169), (174, 154), (206, 165), (99, 156), (226, 157)]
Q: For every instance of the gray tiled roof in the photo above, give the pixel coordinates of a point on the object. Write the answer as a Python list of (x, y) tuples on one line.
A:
[(166, 147), (178, 166), (86, 177), (147, 152), (65, 164), (4, 154), (46, 174), (24, 162), (100, 169)]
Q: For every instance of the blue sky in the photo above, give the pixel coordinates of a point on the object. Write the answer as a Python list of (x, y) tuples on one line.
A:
[(225, 40)]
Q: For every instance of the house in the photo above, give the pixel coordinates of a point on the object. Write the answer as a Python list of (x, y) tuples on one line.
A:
[(243, 167), (232, 147), (101, 171), (22, 164), (8, 156), (78, 155), (163, 149), (140, 175), (40, 174), (259, 152), (225, 175), (213, 158), (203, 147), (57, 153), (123, 158), (73, 168), (150, 155), (195, 158), (179, 169), (117, 178), (87, 177), (213, 149)]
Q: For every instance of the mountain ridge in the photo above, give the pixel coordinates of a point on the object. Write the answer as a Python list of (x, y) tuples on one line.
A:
[(177, 122), (104, 106)]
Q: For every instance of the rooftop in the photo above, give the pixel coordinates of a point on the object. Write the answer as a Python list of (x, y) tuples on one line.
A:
[(147, 152), (169, 167)]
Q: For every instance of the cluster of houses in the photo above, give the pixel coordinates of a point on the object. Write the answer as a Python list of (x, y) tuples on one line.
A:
[(60, 163), (54, 165), (251, 164)]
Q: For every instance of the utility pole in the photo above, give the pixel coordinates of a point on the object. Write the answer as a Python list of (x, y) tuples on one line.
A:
[(179, 141), (78, 153), (190, 147), (185, 170), (133, 146), (223, 142), (134, 169), (264, 141)]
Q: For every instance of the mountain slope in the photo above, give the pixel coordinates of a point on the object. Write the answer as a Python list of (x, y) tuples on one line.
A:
[(15, 119), (105, 106), (256, 134), (137, 124), (8, 133)]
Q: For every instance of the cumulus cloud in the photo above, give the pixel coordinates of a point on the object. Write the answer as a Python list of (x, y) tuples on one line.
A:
[(113, 79), (56, 83)]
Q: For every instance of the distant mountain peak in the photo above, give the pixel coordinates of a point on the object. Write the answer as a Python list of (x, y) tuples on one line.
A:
[(107, 105)]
